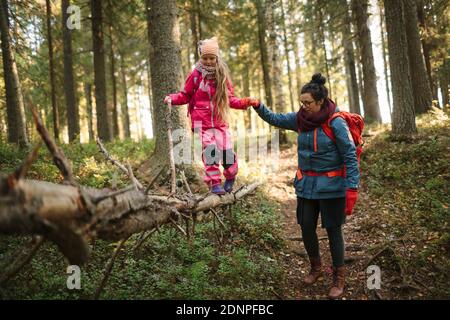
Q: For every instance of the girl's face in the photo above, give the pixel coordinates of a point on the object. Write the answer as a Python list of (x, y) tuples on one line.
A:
[(209, 60), (309, 104)]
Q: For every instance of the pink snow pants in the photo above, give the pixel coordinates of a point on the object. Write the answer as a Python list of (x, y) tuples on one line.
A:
[(217, 148)]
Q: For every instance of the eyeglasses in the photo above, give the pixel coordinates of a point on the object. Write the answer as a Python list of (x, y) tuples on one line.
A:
[(306, 103)]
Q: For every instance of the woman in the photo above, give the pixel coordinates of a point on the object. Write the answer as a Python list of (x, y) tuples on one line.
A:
[(327, 177)]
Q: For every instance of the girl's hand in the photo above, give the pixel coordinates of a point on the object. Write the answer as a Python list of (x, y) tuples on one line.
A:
[(167, 99)]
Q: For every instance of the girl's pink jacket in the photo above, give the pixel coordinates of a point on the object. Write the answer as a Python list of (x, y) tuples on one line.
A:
[(202, 109)]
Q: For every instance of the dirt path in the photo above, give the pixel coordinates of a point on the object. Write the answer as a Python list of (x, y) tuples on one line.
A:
[(295, 260)]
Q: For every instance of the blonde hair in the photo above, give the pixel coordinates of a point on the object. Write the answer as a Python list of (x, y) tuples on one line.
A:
[(221, 99)]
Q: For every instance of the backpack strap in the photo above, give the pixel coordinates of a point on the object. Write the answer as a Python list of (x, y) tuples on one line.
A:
[(326, 127)]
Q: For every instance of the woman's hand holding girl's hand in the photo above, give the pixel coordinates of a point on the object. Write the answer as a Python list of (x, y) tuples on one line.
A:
[(167, 99), (250, 102), (254, 102)]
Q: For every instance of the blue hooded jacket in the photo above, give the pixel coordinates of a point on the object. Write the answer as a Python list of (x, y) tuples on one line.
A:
[(328, 156)]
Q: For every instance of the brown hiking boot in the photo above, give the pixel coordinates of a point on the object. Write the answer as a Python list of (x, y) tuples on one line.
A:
[(338, 283), (315, 272)]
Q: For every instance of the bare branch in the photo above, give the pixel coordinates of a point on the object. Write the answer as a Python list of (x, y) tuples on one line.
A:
[(17, 265), (109, 268), (21, 172), (59, 158), (117, 163), (186, 184)]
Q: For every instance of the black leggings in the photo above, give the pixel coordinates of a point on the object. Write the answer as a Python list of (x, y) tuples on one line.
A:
[(331, 211)]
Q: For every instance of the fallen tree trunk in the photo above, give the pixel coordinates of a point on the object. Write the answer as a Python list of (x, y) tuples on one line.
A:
[(68, 214), (65, 213)]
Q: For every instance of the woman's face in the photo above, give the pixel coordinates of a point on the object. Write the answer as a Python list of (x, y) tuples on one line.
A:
[(309, 104), (209, 60)]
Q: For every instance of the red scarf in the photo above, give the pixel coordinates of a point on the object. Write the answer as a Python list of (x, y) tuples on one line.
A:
[(309, 121)]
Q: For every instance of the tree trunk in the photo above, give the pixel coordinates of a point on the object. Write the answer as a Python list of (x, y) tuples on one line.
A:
[(193, 14), (370, 95), (73, 121), (125, 111), (103, 119), (115, 114), (166, 71), (149, 84), (15, 111), (426, 46), (262, 27), (349, 59), (55, 111), (279, 103), (444, 76), (324, 49), (246, 86), (88, 95), (403, 122), (298, 68), (67, 215), (421, 87), (384, 53), (287, 50)]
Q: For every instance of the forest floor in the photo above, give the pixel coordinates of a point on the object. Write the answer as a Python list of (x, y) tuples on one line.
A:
[(400, 223)]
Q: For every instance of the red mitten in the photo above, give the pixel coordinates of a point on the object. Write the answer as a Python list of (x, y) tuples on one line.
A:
[(254, 102), (249, 101), (351, 195)]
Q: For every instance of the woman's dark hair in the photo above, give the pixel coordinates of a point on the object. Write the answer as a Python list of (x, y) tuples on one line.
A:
[(316, 87)]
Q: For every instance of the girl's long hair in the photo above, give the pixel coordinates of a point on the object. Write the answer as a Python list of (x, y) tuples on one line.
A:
[(221, 97)]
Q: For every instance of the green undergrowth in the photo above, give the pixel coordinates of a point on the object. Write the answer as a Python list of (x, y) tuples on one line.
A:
[(408, 183), (235, 262)]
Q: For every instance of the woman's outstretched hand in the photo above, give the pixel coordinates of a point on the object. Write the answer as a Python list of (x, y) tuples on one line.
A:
[(250, 102), (167, 99)]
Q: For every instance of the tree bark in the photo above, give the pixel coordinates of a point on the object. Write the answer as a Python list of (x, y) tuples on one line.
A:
[(426, 47), (88, 95), (279, 102), (103, 119), (125, 111), (384, 53), (73, 121), (370, 95), (349, 58), (115, 114), (15, 110), (421, 87), (262, 27), (403, 122), (287, 50), (324, 50), (68, 214), (194, 27), (55, 111), (166, 71)]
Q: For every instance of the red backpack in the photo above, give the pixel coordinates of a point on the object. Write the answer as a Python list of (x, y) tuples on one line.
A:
[(355, 124)]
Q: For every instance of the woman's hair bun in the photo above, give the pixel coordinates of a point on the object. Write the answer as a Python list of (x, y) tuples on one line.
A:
[(319, 79)]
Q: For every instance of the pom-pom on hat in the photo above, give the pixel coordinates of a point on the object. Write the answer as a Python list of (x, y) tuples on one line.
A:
[(209, 46)]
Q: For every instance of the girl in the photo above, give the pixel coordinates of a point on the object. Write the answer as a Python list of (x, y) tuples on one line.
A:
[(322, 184), (209, 92)]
